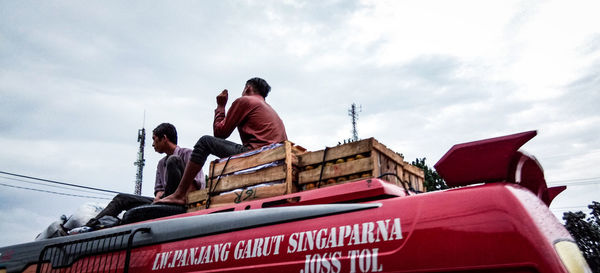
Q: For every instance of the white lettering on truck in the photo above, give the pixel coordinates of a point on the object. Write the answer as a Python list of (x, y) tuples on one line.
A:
[(314, 244), (257, 247), (371, 232), (191, 256)]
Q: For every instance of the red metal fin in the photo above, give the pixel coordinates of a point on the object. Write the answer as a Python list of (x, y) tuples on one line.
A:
[(486, 160)]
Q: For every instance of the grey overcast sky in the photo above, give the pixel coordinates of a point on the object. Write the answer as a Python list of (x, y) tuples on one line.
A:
[(77, 76)]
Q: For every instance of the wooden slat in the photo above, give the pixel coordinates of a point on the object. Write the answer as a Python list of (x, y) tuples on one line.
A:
[(387, 152), (289, 162), (240, 196), (333, 153), (243, 163), (376, 163), (336, 170), (249, 194), (414, 170), (400, 172), (346, 181), (244, 180), (198, 195), (387, 165)]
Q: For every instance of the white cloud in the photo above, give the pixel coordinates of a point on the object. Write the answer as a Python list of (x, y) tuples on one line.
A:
[(22, 225), (423, 28)]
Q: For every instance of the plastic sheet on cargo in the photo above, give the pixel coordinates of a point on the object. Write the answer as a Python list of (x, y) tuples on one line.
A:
[(257, 168), (254, 186), (253, 152), (260, 167)]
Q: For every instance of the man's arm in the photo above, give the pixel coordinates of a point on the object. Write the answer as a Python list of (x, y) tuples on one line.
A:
[(224, 125), (159, 183)]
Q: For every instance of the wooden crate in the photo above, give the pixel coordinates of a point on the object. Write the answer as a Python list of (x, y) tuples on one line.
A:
[(236, 188), (414, 176), (353, 161)]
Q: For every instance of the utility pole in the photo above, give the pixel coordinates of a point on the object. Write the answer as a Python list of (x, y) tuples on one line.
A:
[(353, 112), (140, 160)]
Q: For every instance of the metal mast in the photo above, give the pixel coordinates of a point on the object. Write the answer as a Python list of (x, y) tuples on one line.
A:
[(353, 112), (140, 161)]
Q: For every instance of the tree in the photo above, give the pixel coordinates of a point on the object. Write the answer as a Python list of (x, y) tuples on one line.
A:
[(586, 233), (433, 181)]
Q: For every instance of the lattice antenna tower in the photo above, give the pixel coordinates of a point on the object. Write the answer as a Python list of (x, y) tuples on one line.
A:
[(140, 159), (353, 112)]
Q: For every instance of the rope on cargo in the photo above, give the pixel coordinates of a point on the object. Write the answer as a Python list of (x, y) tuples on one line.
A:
[(322, 166), (210, 188), (399, 179)]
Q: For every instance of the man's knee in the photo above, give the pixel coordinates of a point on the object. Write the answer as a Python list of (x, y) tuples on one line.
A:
[(120, 199), (120, 196), (175, 162), (202, 149), (204, 142)]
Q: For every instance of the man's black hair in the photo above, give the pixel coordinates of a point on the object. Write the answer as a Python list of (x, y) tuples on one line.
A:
[(166, 129), (260, 85)]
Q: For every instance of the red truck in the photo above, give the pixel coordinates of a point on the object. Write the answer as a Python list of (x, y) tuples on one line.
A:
[(495, 219)]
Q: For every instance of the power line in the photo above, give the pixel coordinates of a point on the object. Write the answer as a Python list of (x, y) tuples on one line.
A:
[(578, 179), (573, 154), (54, 186), (59, 193), (571, 208), (574, 182), (57, 182)]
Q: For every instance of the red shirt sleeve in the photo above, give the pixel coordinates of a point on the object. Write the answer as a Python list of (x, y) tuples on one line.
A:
[(224, 125)]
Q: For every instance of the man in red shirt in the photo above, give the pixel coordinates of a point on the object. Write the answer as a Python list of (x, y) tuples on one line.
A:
[(257, 123)]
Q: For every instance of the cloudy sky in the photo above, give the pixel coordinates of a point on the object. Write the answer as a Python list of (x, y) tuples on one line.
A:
[(78, 79)]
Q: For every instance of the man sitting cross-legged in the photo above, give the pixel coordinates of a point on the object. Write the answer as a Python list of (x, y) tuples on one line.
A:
[(168, 174), (257, 123)]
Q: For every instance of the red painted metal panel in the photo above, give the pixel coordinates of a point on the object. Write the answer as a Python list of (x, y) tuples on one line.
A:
[(481, 161), (423, 233)]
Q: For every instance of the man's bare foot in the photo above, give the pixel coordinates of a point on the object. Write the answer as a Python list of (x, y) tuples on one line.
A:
[(172, 199)]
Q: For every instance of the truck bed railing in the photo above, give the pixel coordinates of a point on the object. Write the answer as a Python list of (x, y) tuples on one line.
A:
[(106, 249)]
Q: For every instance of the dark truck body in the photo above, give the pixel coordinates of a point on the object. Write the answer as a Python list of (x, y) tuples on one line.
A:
[(502, 225)]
